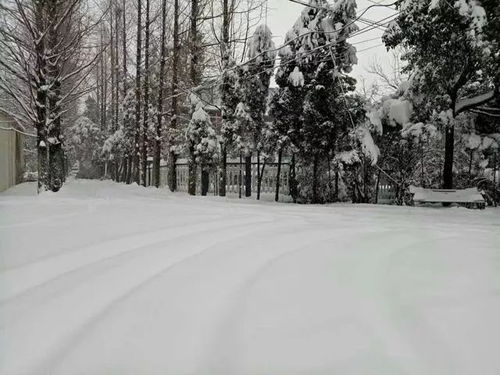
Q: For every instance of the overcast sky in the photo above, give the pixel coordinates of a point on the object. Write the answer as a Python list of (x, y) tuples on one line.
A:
[(283, 13)]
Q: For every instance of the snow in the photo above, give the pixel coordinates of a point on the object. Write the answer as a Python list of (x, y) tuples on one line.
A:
[(420, 131), (434, 4), (450, 196), (261, 46), (200, 115), (368, 146), (472, 141), (348, 157), (296, 77), (103, 278), (400, 111)]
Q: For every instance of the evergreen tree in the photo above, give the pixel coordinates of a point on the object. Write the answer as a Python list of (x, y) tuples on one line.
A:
[(201, 143), (255, 77), (314, 61)]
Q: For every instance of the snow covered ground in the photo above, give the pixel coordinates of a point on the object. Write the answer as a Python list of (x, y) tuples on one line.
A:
[(104, 278)]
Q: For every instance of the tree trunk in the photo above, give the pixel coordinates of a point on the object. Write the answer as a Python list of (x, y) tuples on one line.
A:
[(205, 180), (145, 120), (225, 65), (175, 106), (193, 72), (113, 71), (336, 185), (138, 93), (129, 169), (192, 172), (240, 175), (223, 171), (248, 175), (315, 198), (422, 169), (124, 49), (124, 172), (117, 67), (56, 152), (278, 176), (41, 111), (260, 174), (293, 180), (471, 158), (161, 89), (448, 157), (377, 187)]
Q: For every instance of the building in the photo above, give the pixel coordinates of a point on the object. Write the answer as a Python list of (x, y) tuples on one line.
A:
[(11, 153)]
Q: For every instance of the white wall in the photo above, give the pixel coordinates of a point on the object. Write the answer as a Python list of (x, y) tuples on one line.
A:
[(9, 161)]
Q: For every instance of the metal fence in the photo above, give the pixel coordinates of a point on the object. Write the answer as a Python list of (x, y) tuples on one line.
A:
[(236, 177)]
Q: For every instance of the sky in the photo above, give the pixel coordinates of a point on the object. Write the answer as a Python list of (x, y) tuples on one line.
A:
[(283, 13)]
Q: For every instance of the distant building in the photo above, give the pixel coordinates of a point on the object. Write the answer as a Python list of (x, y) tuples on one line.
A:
[(11, 153)]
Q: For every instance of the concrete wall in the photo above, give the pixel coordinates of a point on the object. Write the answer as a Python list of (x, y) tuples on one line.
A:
[(11, 155)]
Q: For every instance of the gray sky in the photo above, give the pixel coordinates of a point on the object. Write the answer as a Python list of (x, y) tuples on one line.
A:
[(283, 13)]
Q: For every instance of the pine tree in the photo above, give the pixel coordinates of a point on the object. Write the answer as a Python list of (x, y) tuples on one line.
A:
[(201, 142), (315, 58), (255, 77)]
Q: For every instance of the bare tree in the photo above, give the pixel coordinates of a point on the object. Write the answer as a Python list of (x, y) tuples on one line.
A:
[(175, 102), (161, 92), (390, 77), (145, 119), (138, 93), (43, 55)]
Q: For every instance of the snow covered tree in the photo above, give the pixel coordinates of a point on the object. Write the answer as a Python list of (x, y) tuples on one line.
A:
[(228, 94), (201, 143), (450, 54), (255, 77), (43, 40), (314, 60), (87, 140)]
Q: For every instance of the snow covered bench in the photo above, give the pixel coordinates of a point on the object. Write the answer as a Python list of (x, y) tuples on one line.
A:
[(469, 198)]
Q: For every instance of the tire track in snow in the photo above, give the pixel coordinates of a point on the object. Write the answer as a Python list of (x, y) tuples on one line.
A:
[(86, 270), (62, 341), (47, 220), (230, 344), (429, 344), (17, 280), (374, 317)]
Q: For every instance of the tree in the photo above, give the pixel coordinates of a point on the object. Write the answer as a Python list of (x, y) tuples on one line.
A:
[(138, 94), (145, 117), (314, 59), (255, 77), (201, 142), (194, 129), (45, 61), (448, 47), (161, 92), (175, 99), (86, 141)]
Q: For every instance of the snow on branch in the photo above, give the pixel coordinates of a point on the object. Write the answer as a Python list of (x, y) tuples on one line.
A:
[(472, 102)]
